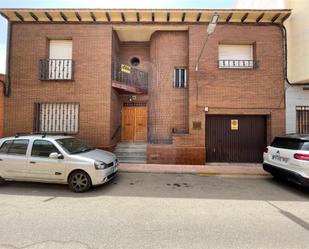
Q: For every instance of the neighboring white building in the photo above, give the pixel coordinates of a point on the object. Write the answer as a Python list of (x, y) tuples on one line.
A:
[(259, 4), (297, 92)]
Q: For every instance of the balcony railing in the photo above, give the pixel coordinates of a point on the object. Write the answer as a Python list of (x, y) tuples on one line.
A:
[(131, 76), (56, 69), (238, 64)]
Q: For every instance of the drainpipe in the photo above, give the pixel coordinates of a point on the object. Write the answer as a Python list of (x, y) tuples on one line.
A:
[(285, 41), (7, 80)]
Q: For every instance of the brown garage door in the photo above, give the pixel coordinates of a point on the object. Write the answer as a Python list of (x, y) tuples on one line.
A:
[(237, 138)]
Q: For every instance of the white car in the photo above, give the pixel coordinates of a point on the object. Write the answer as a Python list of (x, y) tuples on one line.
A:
[(288, 157), (55, 159)]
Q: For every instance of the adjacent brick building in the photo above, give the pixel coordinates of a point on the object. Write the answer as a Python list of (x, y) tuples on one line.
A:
[(110, 76)]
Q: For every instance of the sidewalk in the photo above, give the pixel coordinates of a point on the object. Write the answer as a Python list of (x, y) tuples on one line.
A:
[(211, 169)]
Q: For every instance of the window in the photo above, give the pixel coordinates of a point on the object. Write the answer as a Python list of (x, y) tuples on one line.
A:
[(5, 146), (73, 145), (180, 78), (302, 119), (60, 60), (18, 147), (287, 143), (43, 148), (236, 56), (57, 117), (135, 61)]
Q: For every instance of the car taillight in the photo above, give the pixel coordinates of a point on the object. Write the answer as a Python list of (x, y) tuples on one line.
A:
[(300, 156), (266, 150)]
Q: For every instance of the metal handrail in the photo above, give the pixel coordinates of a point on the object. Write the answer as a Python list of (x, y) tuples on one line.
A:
[(56, 69), (238, 64), (134, 77)]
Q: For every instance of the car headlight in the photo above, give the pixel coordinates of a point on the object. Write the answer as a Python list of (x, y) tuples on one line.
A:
[(100, 165)]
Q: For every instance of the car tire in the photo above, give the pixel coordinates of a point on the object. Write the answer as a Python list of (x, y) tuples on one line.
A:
[(79, 181)]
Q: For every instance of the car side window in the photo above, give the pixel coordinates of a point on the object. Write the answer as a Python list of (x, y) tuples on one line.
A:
[(18, 147), (43, 148), (5, 146)]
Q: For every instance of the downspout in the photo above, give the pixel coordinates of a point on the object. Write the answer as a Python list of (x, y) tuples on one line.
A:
[(7, 81), (285, 41)]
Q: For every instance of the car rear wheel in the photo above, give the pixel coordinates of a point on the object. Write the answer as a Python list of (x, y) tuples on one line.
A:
[(79, 181)]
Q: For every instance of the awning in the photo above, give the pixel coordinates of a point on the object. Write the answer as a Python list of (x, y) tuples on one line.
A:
[(144, 15)]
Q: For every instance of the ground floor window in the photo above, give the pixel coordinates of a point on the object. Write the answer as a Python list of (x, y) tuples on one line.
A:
[(180, 78), (302, 119), (56, 117)]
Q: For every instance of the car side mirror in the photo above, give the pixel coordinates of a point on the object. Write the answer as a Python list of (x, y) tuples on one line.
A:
[(55, 155)]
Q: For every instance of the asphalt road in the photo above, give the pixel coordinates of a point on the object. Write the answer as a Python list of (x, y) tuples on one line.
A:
[(138, 210)]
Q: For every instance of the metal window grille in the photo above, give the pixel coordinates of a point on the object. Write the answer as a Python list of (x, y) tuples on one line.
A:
[(180, 78), (56, 69), (57, 117), (302, 119)]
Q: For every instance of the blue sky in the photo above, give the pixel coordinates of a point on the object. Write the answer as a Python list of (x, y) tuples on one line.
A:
[(210, 4)]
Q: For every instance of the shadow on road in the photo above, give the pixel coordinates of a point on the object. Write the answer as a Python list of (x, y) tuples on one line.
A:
[(171, 186)]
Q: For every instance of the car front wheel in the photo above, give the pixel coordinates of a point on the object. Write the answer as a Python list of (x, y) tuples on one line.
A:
[(79, 181)]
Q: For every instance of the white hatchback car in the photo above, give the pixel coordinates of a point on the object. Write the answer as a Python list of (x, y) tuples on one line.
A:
[(288, 157), (55, 159)]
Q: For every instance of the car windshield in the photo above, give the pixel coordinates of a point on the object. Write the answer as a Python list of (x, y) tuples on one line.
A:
[(73, 145)]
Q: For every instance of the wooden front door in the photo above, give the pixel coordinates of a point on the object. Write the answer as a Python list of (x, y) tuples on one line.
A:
[(134, 124)]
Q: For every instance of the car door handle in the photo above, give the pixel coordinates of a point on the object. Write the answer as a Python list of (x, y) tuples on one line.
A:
[(32, 162)]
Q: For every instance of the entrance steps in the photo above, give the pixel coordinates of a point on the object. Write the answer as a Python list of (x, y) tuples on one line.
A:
[(131, 152)]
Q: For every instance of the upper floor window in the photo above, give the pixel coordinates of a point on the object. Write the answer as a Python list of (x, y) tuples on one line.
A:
[(59, 65), (236, 56), (180, 77)]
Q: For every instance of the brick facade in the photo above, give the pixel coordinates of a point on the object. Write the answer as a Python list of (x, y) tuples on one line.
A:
[(258, 91)]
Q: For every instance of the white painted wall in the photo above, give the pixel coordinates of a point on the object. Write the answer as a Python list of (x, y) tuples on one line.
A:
[(295, 96)]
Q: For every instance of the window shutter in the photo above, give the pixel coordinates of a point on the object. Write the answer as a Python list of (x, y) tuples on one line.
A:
[(60, 49), (235, 52)]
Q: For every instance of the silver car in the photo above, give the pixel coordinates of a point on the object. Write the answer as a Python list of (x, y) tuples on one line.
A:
[(55, 159)]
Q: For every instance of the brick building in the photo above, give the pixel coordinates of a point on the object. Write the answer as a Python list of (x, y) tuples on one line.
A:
[(123, 77)]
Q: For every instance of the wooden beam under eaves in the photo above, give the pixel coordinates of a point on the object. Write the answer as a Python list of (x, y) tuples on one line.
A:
[(34, 16), (19, 16), (123, 18), (260, 17), (78, 16), (198, 18), (93, 16), (4, 15), (48, 16), (243, 19), (275, 17), (229, 17), (138, 17), (183, 16), (63, 16), (285, 17), (108, 16)]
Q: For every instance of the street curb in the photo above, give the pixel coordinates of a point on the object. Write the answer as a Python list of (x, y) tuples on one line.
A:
[(195, 173)]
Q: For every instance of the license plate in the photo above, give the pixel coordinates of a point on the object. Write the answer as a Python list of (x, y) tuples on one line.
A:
[(279, 158)]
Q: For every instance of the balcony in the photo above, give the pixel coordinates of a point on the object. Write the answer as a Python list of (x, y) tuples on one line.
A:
[(126, 79), (56, 69), (238, 64)]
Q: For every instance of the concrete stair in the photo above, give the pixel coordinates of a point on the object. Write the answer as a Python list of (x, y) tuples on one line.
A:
[(131, 152)]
